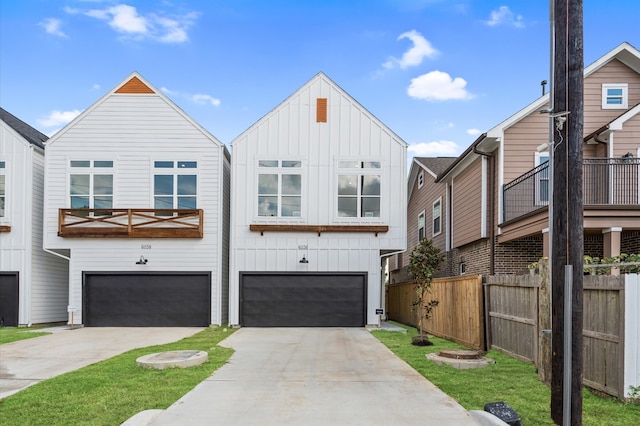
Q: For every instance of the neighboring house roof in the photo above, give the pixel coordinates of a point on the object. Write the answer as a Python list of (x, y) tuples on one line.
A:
[(30, 134), (432, 165), (625, 53)]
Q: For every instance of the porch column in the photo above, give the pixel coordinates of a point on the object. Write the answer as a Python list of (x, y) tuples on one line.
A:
[(612, 245), (546, 244)]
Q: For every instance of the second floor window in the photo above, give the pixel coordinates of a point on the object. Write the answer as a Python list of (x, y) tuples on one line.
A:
[(279, 188), (437, 217), (91, 184), (421, 233), (615, 96), (359, 189), (175, 185)]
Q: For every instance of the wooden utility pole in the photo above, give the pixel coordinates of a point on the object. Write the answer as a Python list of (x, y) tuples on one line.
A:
[(568, 227)]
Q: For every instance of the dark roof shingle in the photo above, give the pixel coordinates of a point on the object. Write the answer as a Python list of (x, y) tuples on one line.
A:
[(32, 135), (436, 164)]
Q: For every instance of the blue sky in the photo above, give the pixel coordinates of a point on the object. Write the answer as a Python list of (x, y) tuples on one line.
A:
[(437, 72)]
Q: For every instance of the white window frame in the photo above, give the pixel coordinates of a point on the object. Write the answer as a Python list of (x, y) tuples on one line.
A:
[(280, 170), (358, 168), (421, 179), (175, 171), (91, 170), (422, 215), (539, 178), (624, 97), (5, 175), (433, 217)]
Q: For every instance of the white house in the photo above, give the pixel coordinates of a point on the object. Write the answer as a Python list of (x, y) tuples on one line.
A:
[(318, 199), (33, 283), (137, 196)]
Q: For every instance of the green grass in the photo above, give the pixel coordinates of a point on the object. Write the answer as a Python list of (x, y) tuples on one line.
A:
[(13, 334), (111, 391), (509, 380)]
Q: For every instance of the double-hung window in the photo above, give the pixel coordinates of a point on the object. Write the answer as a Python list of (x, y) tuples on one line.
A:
[(421, 223), (279, 188), (437, 217), (91, 184), (542, 178), (615, 96), (175, 185), (3, 188), (359, 189)]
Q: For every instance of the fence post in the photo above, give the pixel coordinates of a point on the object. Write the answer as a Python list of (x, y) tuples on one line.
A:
[(543, 361)]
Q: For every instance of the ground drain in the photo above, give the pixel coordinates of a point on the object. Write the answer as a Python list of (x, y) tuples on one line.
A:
[(461, 359)]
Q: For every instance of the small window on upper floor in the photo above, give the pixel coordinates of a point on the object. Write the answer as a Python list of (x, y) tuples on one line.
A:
[(280, 188), (615, 96), (2, 188), (437, 217), (420, 180)]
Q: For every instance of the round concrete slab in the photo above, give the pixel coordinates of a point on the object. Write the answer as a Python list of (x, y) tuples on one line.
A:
[(181, 359), (460, 363)]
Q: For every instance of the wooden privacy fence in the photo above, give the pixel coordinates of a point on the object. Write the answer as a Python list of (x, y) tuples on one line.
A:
[(518, 313), (459, 315)]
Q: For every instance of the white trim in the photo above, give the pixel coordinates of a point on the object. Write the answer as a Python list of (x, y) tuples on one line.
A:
[(612, 229), (483, 198), (433, 233), (624, 97)]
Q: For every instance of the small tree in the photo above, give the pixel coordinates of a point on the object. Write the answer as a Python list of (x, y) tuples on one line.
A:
[(425, 261)]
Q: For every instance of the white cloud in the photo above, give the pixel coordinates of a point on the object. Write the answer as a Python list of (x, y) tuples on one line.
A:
[(95, 86), (421, 49), (52, 26), (202, 99), (198, 98), (504, 16), (438, 86), (433, 149), (473, 132), (58, 118), (127, 21)]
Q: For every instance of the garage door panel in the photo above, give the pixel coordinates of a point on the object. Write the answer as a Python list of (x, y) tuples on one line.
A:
[(149, 300), (303, 300), (9, 298)]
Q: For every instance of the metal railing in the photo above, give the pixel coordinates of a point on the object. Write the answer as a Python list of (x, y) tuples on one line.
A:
[(605, 182)]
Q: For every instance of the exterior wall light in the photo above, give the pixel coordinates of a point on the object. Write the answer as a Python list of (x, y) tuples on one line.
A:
[(142, 261)]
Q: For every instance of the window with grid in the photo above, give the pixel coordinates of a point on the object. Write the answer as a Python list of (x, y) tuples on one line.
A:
[(359, 189), (421, 223), (3, 188), (91, 184), (175, 185), (615, 96), (279, 188), (437, 216)]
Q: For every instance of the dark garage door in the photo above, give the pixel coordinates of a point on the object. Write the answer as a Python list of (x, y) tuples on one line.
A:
[(9, 289), (162, 299), (302, 300)]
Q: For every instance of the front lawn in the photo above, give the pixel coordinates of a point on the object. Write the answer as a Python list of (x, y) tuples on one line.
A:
[(509, 380), (111, 391), (13, 334)]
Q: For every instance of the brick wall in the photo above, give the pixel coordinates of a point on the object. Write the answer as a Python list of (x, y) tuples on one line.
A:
[(514, 257), (594, 245), (630, 242)]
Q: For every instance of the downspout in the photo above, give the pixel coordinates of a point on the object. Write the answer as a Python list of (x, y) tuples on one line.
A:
[(491, 204)]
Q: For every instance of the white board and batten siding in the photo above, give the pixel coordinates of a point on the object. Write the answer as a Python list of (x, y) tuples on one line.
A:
[(42, 276), (291, 131), (135, 130)]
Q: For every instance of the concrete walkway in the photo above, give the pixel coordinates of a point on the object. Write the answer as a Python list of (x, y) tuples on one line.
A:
[(27, 362), (311, 376)]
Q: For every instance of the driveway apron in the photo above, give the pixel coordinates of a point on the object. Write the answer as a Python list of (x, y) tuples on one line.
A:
[(26, 362), (313, 376)]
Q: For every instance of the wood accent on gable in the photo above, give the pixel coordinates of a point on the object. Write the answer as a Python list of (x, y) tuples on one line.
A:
[(135, 85), (5, 228), (321, 110), (319, 228)]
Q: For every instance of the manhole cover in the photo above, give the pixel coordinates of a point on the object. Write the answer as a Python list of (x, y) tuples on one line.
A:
[(459, 354)]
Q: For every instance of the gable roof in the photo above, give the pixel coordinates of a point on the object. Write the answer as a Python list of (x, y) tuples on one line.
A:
[(625, 53), (319, 76), (135, 84), (30, 134), (432, 165)]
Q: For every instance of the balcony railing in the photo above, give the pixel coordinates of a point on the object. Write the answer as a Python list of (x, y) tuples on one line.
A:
[(130, 223), (606, 182)]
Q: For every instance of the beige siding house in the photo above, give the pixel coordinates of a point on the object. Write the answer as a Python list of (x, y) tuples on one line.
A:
[(498, 189)]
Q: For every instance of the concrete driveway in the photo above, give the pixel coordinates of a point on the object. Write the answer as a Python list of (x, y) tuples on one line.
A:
[(311, 376), (26, 362)]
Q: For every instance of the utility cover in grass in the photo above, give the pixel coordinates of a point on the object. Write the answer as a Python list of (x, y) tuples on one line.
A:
[(180, 359)]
